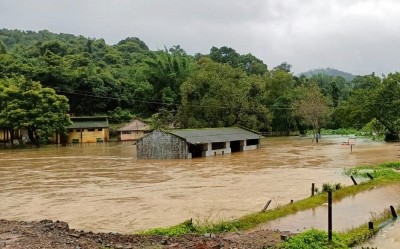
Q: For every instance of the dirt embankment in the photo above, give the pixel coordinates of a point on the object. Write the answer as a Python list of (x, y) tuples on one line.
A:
[(57, 234)]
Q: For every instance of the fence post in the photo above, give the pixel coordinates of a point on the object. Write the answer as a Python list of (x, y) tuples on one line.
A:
[(393, 212), (330, 216), (312, 189), (354, 181), (266, 206)]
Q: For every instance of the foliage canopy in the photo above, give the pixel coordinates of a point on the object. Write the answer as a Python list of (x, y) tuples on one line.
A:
[(26, 105), (222, 88)]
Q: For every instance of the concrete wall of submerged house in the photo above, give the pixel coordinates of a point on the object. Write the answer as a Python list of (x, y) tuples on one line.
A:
[(251, 144), (87, 135), (213, 149), (162, 145), (131, 135)]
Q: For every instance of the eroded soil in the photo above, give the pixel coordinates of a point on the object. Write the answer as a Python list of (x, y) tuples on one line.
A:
[(56, 234)]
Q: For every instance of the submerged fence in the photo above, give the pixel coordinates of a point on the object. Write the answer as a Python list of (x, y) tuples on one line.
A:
[(279, 133)]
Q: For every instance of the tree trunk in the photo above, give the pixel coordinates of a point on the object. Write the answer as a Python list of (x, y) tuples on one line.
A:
[(299, 127), (34, 140)]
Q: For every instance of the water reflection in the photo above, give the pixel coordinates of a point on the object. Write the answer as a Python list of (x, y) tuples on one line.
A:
[(105, 188)]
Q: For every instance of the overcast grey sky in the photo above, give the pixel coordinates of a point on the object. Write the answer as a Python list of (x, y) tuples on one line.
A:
[(356, 36)]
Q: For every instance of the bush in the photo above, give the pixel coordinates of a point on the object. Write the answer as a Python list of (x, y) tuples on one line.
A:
[(180, 229), (326, 187), (314, 239)]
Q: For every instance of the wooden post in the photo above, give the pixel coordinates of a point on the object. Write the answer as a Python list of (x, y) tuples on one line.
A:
[(370, 225), (393, 212), (354, 181), (370, 176), (312, 189), (330, 216), (266, 206)]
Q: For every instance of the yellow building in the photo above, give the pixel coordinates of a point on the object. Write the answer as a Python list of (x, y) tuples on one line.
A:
[(134, 130), (5, 135), (88, 130)]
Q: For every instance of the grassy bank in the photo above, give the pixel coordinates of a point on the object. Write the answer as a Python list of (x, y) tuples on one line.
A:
[(383, 174)]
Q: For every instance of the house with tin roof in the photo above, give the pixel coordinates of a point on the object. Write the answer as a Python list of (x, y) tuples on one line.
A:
[(88, 130), (134, 130), (189, 143)]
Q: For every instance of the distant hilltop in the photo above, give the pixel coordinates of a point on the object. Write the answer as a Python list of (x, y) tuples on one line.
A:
[(328, 71)]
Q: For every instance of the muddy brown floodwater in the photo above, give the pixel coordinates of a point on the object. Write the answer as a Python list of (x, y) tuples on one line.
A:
[(105, 188), (388, 237)]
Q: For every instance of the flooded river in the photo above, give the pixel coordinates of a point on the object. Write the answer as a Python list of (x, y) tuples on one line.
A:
[(105, 188)]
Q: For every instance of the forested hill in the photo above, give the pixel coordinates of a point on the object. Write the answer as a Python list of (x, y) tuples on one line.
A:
[(330, 72), (122, 80), (221, 88)]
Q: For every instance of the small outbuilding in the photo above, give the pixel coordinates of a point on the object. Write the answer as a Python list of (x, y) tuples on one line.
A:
[(134, 130), (189, 143)]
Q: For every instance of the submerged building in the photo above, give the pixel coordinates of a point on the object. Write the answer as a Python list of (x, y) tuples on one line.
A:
[(189, 143), (133, 131), (88, 130)]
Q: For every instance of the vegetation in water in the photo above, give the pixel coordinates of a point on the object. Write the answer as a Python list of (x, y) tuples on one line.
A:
[(385, 172)]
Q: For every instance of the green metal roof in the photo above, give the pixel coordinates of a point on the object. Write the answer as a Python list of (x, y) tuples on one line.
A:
[(88, 122), (214, 135)]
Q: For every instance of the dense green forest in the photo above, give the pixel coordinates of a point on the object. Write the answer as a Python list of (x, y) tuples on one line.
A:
[(222, 88)]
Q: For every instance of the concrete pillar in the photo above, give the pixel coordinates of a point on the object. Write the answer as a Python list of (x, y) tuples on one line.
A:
[(208, 152)]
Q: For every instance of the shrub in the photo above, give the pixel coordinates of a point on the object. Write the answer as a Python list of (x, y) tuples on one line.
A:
[(314, 239), (326, 187), (180, 229)]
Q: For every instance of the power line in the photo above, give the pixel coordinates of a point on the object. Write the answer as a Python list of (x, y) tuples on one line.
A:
[(88, 94)]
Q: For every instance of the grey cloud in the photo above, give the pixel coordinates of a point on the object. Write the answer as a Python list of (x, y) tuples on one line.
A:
[(358, 36)]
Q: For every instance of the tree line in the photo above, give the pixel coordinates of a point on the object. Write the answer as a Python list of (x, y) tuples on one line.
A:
[(61, 74)]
